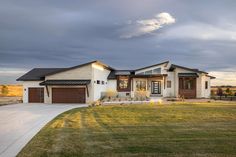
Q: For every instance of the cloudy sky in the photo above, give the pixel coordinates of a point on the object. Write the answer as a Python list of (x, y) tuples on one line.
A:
[(125, 34)]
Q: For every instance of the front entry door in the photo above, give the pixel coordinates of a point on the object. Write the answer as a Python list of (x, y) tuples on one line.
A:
[(156, 87)]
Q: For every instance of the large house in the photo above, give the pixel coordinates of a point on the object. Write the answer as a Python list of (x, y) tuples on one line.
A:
[(86, 82)]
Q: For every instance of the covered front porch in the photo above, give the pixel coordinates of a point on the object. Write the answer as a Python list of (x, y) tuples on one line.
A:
[(152, 86)]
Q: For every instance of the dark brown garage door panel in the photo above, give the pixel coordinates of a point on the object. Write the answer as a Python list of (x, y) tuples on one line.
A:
[(36, 95), (68, 95)]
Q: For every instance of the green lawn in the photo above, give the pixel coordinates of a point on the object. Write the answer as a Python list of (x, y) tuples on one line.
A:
[(179, 130)]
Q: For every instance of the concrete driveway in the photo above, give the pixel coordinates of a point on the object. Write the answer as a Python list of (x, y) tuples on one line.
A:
[(20, 122)]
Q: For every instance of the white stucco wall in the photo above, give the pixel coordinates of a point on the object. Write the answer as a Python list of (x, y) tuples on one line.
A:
[(101, 74), (170, 92), (84, 72), (26, 86), (205, 93), (112, 85), (201, 92), (176, 77)]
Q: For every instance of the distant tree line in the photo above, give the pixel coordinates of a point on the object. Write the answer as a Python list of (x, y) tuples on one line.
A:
[(228, 92)]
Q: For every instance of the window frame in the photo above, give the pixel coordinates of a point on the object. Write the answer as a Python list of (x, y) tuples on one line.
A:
[(140, 84), (206, 85), (119, 78)]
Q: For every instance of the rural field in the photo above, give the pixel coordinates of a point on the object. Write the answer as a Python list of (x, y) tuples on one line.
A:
[(176, 130), (13, 90), (11, 94)]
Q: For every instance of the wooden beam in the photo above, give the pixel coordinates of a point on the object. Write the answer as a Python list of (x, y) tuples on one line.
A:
[(47, 91), (164, 82), (87, 90)]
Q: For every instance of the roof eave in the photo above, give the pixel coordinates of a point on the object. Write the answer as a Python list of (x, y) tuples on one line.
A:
[(150, 66)]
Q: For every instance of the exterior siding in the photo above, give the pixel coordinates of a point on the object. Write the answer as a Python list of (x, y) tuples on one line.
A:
[(96, 72), (170, 92), (26, 86), (200, 88), (84, 72), (101, 74), (112, 85)]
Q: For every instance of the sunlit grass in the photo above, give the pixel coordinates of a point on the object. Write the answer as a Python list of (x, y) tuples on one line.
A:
[(202, 129)]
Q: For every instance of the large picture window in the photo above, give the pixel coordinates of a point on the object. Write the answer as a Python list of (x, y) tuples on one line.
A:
[(186, 83), (141, 85), (123, 83)]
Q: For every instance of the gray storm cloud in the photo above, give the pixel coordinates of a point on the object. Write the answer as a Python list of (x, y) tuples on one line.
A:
[(58, 33)]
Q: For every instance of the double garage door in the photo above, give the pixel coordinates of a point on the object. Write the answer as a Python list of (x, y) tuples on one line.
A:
[(59, 95), (68, 95)]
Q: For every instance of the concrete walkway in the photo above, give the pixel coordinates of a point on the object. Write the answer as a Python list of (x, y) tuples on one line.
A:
[(20, 122)]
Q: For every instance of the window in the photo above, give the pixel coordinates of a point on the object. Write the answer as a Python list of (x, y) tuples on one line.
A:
[(142, 73), (141, 85), (168, 84), (206, 85), (123, 83), (98, 81), (157, 71), (148, 72), (186, 83)]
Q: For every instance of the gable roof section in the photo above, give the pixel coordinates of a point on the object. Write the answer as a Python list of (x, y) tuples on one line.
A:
[(81, 65), (173, 66), (150, 66), (38, 74)]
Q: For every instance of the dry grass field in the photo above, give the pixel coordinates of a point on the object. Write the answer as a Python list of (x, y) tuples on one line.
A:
[(13, 90), (13, 95)]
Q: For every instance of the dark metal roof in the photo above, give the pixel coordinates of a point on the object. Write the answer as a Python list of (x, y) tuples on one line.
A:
[(187, 74), (150, 66), (81, 65), (115, 73), (211, 77), (38, 74), (173, 66), (65, 82)]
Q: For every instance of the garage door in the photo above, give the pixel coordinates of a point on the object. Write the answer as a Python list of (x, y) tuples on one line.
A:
[(36, 95), (68, 95)]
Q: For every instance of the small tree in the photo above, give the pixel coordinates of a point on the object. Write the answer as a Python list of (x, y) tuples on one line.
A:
[(219, 92), (227, 91), (5, 90)]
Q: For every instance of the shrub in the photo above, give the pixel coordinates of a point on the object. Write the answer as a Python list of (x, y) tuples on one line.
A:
[(5, 90), (111, 94), (142, 95), (96, 103)]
